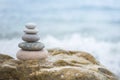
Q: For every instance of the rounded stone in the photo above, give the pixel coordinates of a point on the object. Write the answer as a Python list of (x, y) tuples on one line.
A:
[(30, 25), (31, 31), (32, 55), (34, 46), (30, 37)]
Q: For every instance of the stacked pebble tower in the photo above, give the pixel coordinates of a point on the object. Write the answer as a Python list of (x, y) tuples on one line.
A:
[(31, 49)]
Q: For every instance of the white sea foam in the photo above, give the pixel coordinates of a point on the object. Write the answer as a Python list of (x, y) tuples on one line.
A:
[(107, 53)]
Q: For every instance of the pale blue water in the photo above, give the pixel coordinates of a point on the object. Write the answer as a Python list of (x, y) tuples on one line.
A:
[(89, 25), (98, 18)]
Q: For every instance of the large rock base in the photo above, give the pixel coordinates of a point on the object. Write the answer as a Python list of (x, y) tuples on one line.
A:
[(60, 65)]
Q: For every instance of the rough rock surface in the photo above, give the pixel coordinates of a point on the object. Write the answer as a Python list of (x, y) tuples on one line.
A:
[(60, 65)]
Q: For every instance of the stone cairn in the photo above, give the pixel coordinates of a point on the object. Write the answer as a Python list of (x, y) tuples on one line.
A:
[(31, 49)]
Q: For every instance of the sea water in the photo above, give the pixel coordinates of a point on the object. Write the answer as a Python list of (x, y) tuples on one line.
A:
[(87, 25)]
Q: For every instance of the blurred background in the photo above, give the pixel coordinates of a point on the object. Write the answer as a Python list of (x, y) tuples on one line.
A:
[(88, 25)]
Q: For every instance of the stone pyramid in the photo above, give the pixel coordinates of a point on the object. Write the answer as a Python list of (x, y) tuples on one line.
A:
[(31, 49)]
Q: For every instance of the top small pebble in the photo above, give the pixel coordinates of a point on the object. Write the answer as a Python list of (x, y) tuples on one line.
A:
[(30, 25)]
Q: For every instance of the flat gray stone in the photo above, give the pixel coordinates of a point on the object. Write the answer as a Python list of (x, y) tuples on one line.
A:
[(31, 31), (34, 46), (30, 25), (30, 37)]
